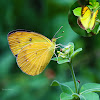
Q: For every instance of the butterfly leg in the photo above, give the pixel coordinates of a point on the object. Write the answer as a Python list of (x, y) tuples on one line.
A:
[(60, 45), (56, 56)]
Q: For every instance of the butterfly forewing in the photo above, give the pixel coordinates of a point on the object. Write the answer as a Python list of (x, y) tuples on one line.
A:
[(85, 18), (18, 39), (84, 9)]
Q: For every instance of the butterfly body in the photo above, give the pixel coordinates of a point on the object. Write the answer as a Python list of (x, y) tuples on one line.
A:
[(87, 18), (33, 51)]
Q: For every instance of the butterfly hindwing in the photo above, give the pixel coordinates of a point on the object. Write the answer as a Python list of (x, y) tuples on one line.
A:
[(92, 21), (33, 58)]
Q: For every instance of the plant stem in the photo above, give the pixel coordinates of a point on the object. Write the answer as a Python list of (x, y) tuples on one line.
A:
[(73, 75)]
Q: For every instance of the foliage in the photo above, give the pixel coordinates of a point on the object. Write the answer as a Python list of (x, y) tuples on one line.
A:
[(93, 6), (45, 17), (71, 90), (66, 54), (86, 92)]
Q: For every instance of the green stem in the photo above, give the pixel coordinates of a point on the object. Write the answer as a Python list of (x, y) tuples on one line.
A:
[(73, 75)]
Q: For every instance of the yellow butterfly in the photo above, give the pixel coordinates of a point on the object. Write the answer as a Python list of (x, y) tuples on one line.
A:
[(33, 51), (87, 18)]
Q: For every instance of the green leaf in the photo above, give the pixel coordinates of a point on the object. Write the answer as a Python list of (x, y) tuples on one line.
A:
[(71, 47), (79, 97), (96, 5), (92, 1), (77, 11), (55, 83), (67, 87), (55, 58), (90, 87), (95, 30), (90, 96), (98, 29), (88, 30), (90, 6), (75, 95), (65, 96), (63, 60), (82, 97), (87, 96), (98, 16), (60, 60), (76, 52)]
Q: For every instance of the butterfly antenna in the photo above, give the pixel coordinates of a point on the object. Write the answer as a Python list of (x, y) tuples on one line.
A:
[(57, 32), (59, 37)]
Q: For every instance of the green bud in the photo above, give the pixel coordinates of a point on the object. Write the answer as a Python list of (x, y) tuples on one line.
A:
[(58, 51), (61, 53), (63, 49), (67, 51), (67, 47), (63, 56)]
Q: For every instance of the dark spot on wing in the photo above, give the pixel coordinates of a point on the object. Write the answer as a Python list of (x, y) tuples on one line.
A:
[(30, 39), (18, 42), (16, 55), (26, 60)]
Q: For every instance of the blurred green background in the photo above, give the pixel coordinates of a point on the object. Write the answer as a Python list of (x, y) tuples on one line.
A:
[(45, 17)]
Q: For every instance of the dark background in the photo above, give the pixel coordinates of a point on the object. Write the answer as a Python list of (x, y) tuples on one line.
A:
[(45, 17)]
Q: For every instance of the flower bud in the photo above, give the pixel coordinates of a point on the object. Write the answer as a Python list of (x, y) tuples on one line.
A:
[(58, 51), (67, 51), (61, 53), (67, 47), (63, 49), (63, 56)]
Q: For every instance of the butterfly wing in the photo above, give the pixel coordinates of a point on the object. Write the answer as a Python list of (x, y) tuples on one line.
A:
[(19, 38), (33, 58), (92, 21), (83, 20), (33, 50)]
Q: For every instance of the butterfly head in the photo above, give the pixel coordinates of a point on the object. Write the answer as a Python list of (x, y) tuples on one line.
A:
[(53, 40)]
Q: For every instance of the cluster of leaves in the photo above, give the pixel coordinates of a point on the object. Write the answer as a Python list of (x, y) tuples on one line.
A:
[(66, 54), (93, 6), (86, 92)]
